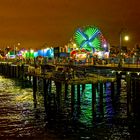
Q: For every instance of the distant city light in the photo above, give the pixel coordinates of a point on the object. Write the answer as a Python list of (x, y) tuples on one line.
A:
[(105, 45)]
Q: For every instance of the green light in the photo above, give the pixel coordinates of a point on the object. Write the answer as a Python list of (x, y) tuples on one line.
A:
[(27, 55), (89, 38), (78, 38), (91, 31), (96, 43)]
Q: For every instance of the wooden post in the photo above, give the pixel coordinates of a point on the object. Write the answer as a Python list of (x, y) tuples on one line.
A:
[(105, 86), (134, 89), (18, 71), (118, 76), (5, 69), (22, 72), (78, 94), (101, 99), (66, 91), (117, 96), (50, 86), (58, 94), (137, 101), (83, 87), (9, 70), (30, 78), (128, 79), (15, 71), (112, 92), (34, 90), (45, 90), (94, 101), (72, 98)]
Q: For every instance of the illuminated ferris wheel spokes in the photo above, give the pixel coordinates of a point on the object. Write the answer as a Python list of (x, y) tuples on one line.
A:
[(88, 38)]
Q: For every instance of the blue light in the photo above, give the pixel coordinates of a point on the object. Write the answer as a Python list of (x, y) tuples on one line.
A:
[(88, 40), (35, 54), (50, 53), (40, 52), (84, 35), (83, 43)]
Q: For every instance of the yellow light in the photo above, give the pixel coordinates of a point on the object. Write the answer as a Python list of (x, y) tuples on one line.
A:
[(126, 38), (18, 44), (74, 45), (119, 72), (31, 51)]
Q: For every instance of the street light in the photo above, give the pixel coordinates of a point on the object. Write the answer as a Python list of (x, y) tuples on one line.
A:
[(126, 38), (123, 37), (16, 48)]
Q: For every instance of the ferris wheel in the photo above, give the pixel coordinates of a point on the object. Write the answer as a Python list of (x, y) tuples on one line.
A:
[(89, 38)]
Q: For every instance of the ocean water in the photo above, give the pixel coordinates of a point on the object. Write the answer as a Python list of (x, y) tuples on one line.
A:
[(20, 118)]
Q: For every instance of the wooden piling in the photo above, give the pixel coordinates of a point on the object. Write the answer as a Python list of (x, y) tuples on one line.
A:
[(78, 94), (34, 90), (66, 91), (83, 87), (137, 101), (72, 98), (128, 80), (118, 80), (134, 96), (58, 95), (101, 99), (94, 101), (45, 90), (50, 85), (112, 91)]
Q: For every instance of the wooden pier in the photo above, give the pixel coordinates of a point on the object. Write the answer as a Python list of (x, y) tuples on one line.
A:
[(76, 76)]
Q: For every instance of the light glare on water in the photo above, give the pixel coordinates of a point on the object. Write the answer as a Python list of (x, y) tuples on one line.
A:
[(19, 118)]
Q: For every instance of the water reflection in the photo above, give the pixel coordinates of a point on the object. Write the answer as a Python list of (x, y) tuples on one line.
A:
[(18, 116), (63, 120)]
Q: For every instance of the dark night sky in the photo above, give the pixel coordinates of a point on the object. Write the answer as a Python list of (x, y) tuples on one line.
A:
[(35, 22)]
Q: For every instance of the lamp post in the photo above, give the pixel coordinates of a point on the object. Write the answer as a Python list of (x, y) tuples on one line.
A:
[(122, 37), (16, 48)]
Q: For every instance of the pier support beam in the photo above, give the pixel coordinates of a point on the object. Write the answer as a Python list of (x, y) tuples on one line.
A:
[(50, 85), (134, 89), (78, 94), (137, 101), (128, 80), (72, 98), (94, 101), (66, 91), (112, 91), (45, 90), (34, 90), (118, 76), (58, 95), (117, 96), (83, 87), (101, 99)]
